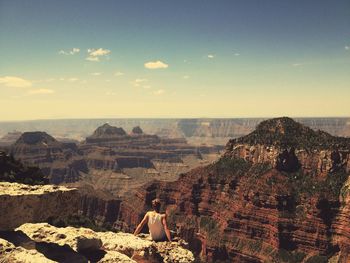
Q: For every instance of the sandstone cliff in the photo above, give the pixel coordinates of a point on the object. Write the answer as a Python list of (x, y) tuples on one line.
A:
[(59, 161), (273, 197), (21, 203)]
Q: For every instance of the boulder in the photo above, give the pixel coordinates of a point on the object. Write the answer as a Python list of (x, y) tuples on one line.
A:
[(24, 203), (11, 254)]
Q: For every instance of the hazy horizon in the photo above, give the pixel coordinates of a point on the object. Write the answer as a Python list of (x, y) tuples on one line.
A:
[(178, 118), (183, 59)]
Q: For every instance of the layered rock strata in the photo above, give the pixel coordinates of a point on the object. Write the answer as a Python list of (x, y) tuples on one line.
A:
[(272, 197), (61, 162)]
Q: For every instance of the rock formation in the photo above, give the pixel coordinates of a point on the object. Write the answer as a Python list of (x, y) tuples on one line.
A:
[(61, 162), (288, 145), (137, 130), (22, 240), (10, 253), (24, 203), (279, 194)]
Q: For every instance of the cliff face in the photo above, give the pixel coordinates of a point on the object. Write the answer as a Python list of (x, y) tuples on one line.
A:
[(23, 203), (288, 145), (273, 196), (59, 161)]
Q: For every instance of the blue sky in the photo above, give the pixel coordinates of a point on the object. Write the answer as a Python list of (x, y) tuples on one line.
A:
[(90, 59)]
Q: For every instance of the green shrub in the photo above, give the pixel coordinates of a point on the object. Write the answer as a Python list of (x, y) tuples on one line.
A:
[(317, 259), (286, 256)]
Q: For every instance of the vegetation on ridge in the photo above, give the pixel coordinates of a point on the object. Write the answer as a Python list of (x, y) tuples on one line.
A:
[(285, 132), (14, 171)]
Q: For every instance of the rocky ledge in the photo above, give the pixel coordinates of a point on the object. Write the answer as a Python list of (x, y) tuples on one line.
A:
[(71, 244), (23, 239), (24, 203)]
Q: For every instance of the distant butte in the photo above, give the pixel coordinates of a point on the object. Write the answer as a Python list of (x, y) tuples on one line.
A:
[(137, 130)]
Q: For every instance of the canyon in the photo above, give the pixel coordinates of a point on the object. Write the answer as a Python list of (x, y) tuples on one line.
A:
[(196, 130), (109, 159), (278, 194), (281, 193)]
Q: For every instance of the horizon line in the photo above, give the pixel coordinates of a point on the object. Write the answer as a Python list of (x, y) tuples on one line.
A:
[(174, 118)]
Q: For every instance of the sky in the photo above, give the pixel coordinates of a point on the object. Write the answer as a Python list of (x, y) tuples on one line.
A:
[(170, 59)]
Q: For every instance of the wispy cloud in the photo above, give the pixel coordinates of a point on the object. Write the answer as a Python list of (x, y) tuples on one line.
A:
[(72, 79), (186, 77), (96, 74), (347, 47), (237, 54), (96, 54), (211, 56), (41, 91), (156, 65), (69, 52), (95, 59), (139, 82), (16, 82), (297, 64), (159, 92), (119, 74)]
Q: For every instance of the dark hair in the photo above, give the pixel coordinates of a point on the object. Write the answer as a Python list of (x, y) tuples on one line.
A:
[(156, 205)]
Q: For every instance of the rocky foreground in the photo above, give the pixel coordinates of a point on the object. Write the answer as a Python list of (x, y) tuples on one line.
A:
[(21, 241)]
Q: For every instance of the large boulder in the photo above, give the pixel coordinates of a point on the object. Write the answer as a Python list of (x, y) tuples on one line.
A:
[(21, 203), (78, 239), (9, 253)]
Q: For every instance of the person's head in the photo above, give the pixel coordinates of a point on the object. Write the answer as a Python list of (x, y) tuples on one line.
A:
[(156, 205)]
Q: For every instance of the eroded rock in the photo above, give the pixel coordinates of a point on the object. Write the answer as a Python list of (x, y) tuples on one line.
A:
[(78, 239), (115, 247), (23, 203), (11, 254)]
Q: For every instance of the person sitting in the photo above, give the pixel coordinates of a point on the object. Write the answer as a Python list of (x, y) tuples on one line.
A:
[(157, 224)]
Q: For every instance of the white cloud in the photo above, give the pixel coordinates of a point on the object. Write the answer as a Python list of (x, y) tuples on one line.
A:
[(73, 79), (138, 82), (347, 47), (16, 82), (41, 91), (237, 54), (95, 54), (297, 64), (95, 59), (186, 77), (69, 52), (159, 92), (211, 56), (96, 74), (156, 65), (118, 74), (98, 52)]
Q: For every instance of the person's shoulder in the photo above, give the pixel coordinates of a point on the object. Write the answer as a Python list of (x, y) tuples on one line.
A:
[(163, 215), (148, 213)]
